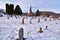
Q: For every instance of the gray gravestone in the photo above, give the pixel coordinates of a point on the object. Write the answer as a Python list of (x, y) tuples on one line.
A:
[(21, 33), (45, 19), (38, 19), (23, 21), (46, 27), (40, 30), (30, 21)]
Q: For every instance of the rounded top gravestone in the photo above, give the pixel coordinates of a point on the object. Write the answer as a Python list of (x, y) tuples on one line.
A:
[(21, 32)]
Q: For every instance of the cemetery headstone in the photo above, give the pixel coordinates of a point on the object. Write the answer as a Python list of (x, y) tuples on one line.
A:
[(17, 39), (1, 15), (16, 16), (26, 17), (40, 30), (30, 21), (23, 21), (7, 16), (56, 23), (45, 19), (21, 34), (38, 19), (50, 19), (46, 27)]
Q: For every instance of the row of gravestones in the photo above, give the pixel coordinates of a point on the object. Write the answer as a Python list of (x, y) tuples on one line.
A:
[(21, 33), (31, 19)]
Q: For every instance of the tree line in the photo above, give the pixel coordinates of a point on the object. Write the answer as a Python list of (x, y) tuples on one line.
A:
[(10, 9), (17, 11)]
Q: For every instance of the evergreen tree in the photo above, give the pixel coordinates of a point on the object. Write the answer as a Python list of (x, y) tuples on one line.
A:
[(37, 13), (7, 8), (11, 9), (18, 10)]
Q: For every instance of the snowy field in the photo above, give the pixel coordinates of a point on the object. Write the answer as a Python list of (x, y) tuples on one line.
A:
[(9, 28)]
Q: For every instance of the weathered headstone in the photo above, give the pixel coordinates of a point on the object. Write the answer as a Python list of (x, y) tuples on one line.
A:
[(56, 23), (38, 19), (7, 16), (46, 27), (21, 34), (22, 20), (45, 19), (26, 17), (50, 19), (16, 16), (40, 30), (11, 15), (17, 39), (1, 14), (30, 21)]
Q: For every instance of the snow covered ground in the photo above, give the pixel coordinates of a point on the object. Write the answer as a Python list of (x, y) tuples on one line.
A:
[(9, 28)]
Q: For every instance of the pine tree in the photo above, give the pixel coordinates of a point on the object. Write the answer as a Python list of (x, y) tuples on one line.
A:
[(37, 13), (18, 10), (11, 9), (7, 8)]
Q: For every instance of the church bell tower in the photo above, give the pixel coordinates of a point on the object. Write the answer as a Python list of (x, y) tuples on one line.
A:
[(30, 12)]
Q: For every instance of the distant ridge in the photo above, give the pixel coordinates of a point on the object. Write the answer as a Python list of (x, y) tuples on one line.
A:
[(2, 11)]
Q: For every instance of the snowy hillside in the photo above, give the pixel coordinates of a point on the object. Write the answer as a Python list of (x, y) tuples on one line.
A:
[(9, 28)]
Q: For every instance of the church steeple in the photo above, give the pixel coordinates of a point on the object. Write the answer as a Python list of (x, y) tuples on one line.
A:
[(30, 11)]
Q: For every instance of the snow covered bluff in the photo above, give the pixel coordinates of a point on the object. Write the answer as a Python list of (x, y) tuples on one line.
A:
[(18, 11)]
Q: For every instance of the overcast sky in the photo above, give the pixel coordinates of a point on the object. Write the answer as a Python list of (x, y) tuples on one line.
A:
[(42, 5)]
